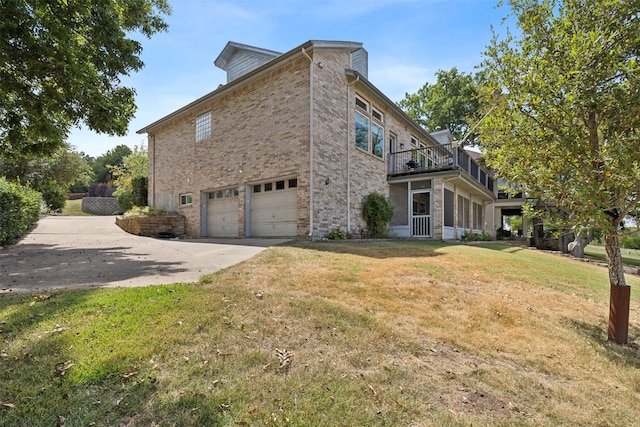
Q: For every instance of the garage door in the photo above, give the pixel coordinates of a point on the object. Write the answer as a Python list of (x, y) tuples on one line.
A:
[(274, 210), (222, 213)]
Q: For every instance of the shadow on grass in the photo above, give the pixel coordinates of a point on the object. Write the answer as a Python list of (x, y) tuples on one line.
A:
[(40, 267), (36, 369), (499, 245), (597, 335)]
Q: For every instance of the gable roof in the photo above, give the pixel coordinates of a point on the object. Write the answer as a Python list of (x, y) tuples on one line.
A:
[(232, 48), (222, 89)]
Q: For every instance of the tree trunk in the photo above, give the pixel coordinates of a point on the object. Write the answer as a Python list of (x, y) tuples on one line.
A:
[(620, 292)]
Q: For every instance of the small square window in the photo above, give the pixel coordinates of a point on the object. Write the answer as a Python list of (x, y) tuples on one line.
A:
[(268, 186), (219, 195), (293, 183), (212, 195), (227, 193), (256, 188), (186, 199), (279, 185), (236, 191)]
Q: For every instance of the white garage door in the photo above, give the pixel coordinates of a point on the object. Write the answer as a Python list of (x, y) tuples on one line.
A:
[(274, 210), (222, 213)]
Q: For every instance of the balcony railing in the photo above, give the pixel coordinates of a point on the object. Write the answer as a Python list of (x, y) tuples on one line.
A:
[(438, 158)]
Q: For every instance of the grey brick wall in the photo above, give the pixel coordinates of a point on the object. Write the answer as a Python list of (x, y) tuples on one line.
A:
[(260, 131), (263, 129), (100, 205)]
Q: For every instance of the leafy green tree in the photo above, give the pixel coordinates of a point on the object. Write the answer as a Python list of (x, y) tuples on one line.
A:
[(52, 175), (447, 104), (130, 177), (563, 116), (112, 158), (61, 63)]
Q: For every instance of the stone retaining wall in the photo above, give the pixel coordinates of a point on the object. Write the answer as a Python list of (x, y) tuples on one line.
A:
[(152, 225), (100, 205)]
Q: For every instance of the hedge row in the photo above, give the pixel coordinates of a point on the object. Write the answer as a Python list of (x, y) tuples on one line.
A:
[(19, 209), (630, 242)]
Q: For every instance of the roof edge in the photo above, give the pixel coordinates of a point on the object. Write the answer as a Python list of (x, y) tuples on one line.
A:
[(419, 129), (311, 44), (222, 61)]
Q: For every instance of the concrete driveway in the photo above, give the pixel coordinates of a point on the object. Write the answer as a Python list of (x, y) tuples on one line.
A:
[(65, 252)]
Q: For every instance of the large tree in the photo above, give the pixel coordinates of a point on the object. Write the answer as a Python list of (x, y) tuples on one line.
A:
[(446, 104), (130, 177), (51, 175), (563, 104), (61, 62), (103, 165)]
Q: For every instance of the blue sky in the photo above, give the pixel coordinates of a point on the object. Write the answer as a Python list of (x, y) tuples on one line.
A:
[(408, 42)]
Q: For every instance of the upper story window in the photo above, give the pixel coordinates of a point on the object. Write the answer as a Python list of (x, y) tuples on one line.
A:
[(369, 128), (203, 126), (362, 104)]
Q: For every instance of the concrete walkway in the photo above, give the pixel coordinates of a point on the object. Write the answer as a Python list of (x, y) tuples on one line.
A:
[(65, 252)]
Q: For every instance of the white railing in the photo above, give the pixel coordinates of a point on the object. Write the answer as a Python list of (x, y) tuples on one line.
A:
[(421, 226)]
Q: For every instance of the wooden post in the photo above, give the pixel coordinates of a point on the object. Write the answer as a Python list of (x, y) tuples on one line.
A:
[(619, 314)]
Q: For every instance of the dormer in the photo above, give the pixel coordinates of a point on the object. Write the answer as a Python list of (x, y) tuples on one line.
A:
[(239, 59), (442, 136)]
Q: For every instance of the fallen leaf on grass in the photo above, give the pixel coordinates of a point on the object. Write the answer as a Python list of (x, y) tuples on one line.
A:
[(61, 368), (130, 371), (57, 329), (7, 405), (373, 390)]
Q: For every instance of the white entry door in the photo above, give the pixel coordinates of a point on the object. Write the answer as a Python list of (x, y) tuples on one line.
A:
[(421, 214)]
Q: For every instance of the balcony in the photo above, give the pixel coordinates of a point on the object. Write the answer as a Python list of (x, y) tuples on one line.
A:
[(440, 158)]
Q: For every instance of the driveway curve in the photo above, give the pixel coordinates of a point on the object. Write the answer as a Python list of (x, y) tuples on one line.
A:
[(65, 252)]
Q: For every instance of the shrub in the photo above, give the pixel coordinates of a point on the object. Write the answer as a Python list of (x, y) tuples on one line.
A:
[(139, 186), (337, 234), (53, 195), (145, 211), (377, 212), (630, 242), (100, 189), (471, 236), (19, 209)]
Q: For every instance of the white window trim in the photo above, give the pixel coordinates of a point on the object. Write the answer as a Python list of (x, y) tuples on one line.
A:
[(369, 114), (186, 196)]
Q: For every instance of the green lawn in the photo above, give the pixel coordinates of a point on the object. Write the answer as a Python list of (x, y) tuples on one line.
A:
[(330, 334), (73, 208), (630, 257)]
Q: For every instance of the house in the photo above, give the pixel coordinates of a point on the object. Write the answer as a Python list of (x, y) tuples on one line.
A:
[(294, 141)]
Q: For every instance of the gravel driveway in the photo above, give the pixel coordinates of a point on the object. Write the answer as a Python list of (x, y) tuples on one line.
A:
[(91, 252)]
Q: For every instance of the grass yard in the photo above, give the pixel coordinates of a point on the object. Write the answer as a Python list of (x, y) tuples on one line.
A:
[(630, 257), (330, 334), (73, 208)]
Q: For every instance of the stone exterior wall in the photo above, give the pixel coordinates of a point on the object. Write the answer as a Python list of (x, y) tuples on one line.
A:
[(437, 193), (152, 225), (260, 131), (100, 205), (296, 120)]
